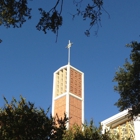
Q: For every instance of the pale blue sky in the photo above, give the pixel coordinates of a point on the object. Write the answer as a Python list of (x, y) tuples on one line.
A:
[(28, 57)]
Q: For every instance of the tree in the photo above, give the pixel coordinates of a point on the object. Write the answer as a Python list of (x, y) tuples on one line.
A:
[(22, 121), (86, 132), (16, 12), (128, 82)]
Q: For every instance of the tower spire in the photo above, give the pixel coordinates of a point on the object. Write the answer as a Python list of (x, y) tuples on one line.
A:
[(68, 93), (68, 46)]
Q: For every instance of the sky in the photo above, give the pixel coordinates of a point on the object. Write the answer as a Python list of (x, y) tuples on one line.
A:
[(29, 57)]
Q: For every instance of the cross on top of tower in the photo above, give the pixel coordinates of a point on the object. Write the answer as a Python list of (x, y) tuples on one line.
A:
[(68, 46)]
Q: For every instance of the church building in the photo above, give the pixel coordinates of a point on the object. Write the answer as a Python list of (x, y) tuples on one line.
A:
[(68, 93), (122, 126)]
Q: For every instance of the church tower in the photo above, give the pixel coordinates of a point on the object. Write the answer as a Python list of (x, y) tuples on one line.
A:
[(68, 93)]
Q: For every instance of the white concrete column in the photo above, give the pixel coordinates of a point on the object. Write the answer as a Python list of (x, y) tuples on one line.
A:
[(53, 95), (103, 129), (67, 94), (83, 108)]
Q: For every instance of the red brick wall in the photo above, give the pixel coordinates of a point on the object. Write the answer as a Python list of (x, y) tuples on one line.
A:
[(75, 111), (60, 106), (75, 82)]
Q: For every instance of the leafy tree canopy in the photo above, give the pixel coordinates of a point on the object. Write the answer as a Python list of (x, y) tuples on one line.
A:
[(16, 12), (86, 132), (22, 121), (128, 82)]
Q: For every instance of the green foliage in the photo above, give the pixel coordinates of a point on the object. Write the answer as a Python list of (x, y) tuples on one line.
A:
[(86, 132), (16, 12), (128, 82), (51, 20), (22, 121), (92, 11)]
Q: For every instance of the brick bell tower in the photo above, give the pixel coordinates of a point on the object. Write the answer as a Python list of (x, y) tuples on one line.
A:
[(68, 93)]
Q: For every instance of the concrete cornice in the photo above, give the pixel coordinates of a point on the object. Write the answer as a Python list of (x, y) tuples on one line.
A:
[(116, 119)]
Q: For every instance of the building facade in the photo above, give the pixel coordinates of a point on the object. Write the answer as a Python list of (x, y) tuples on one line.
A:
[(122, 126), (68, 94)]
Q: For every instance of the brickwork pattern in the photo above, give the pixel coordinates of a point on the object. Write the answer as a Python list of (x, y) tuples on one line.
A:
[(60, 106), (75, 111), (75, 82)]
